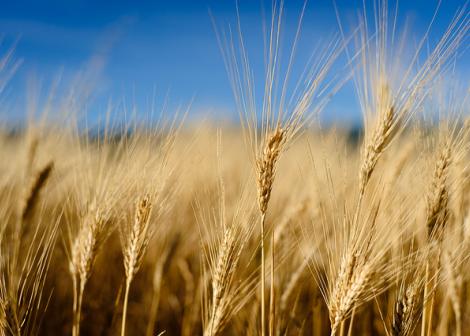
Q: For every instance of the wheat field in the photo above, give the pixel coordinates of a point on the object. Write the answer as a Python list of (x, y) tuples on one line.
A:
[(273, 226)]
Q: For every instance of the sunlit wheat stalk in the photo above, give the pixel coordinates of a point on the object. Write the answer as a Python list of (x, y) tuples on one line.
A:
[(84, 248), (134, 240), (266, 166), (436, 217)]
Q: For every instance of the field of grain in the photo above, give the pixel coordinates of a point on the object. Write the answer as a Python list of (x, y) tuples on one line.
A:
[(276, 226)]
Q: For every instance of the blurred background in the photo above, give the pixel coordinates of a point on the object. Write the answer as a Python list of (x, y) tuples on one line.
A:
[(129, 56)]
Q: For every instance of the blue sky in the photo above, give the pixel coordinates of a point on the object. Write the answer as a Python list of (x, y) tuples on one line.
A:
[(134, 52)]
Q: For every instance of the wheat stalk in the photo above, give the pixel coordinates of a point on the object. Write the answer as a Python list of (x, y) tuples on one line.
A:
[(266, 166), (31, 197), (406, 309), (84, 249), (353, 278), (223, 266), (282, 118), (381, 136), (436, 216), (27, 206), (454, 291), (134, 240), (437, 198), (222, 277)]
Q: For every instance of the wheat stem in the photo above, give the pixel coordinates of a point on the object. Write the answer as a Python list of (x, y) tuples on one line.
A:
[(458, 326), (425, 305), (75, 306), (80, 289), (341, 328), (271, 292), (124, 308), (431, 311), (350, 329), (433, 293), (263, 314)]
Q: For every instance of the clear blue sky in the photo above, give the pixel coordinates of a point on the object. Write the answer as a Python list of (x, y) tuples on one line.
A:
[(143, 47)]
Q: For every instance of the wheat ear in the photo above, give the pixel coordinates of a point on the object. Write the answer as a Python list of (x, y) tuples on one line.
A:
[(28, 205), (91, 235), (436, 217), (32, 195), (353, 278), (135, 240), (380, 138), (227, 261), (266, 166), (406, 308)]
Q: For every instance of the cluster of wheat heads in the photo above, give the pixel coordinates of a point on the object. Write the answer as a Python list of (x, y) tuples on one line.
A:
[(164, 230)]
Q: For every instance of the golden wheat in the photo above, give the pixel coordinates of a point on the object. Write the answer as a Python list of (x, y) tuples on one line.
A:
[(369, 234)]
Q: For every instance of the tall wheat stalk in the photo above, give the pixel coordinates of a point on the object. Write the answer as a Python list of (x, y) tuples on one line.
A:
[(282, 117), (84, 249), (229, 238), (436, 217), (266, 165), (134, 240)]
